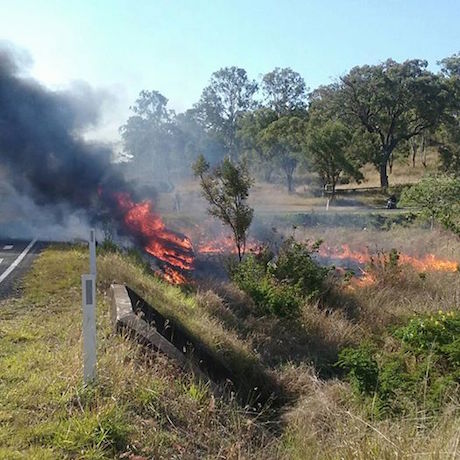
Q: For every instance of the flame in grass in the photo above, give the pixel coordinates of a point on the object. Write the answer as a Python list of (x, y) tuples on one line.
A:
[(366, 279), (224, 245), (171, 248), (426, 263), (429, 263), (344, 253), (172, 276)]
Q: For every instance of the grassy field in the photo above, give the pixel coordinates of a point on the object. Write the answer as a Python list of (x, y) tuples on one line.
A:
[(273, 198), (143, 405)]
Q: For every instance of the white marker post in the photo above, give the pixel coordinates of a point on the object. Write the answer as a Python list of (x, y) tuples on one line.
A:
[(92, 252), (88, 284)]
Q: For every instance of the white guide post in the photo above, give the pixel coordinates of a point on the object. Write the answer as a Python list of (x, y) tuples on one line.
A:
[(92, 252), (88, 284)]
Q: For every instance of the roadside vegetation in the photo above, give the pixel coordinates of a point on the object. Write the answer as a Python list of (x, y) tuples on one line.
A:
[(370, 372)]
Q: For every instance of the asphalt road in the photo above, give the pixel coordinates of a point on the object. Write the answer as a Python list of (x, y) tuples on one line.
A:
[(16, 257)]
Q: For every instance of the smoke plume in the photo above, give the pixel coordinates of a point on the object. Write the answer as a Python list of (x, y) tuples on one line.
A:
[(41, 145), (45, 158)]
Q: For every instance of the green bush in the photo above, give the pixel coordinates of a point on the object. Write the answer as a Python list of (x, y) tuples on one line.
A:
[(362, 368), (296, 266), (420, 371), (438, 334), (279, 285), (437, 199), (108, 246), (271, 296)]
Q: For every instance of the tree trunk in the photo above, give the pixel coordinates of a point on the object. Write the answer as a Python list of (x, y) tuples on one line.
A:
[(383, 173), (240, 253), (289, 182), (268, 174)]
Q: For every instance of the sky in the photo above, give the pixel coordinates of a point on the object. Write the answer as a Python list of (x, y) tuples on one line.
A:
[(173, 46)]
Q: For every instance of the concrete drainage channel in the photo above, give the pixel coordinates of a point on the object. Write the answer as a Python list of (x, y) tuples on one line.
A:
[(133, 314)]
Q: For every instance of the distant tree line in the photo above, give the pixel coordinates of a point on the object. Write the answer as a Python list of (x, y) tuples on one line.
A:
[(373, 114)]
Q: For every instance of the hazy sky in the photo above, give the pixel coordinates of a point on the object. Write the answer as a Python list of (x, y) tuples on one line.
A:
[(174, 46)]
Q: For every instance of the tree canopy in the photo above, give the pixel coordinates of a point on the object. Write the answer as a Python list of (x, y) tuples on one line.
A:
[(374, 114), (394, 102), (284, 91), (330, 152), (228, 96)]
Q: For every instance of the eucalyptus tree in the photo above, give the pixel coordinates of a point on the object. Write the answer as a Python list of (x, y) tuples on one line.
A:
[(228, 96), (284, 91), (449, 133), (226, 189), (393, 102), (193, 140), (250, 135), (330, 152), (283, 140), (148, 135)]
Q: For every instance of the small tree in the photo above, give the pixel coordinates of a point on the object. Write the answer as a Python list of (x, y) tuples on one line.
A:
[(226, 188), (283, 141), (437, 198), (330, 152)]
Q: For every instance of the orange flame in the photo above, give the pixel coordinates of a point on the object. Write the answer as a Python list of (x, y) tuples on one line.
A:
[(428, 262), (345, 253), (169, 247), (224, 245)]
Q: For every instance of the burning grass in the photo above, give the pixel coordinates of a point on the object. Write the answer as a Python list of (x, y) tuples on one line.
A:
[(173, 250), (144, 405)]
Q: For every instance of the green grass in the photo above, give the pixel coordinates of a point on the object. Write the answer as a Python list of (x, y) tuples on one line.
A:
[(143, 404)]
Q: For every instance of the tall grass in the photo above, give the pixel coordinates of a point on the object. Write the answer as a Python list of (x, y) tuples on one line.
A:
[(142, 404)]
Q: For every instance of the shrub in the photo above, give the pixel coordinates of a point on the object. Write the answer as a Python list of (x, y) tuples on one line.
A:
[(362, 368), (439, 334), (296, 266), (279, 285), (420, 371), (271, 296), (108, 246), (437, 199)]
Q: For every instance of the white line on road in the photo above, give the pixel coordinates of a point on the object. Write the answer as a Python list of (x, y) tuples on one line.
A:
[(17, 261), (1, 260), (8, 246)]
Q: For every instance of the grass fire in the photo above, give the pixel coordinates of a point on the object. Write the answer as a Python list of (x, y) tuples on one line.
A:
[(273, 267), (174, 250)]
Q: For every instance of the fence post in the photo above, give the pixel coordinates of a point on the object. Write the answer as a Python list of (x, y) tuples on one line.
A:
[(88, 283)]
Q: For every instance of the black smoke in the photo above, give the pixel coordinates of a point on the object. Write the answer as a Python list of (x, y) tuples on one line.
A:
[(43, 154), (40, 144), (45, 158)]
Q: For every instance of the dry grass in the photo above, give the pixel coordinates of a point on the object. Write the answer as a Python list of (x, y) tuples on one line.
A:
[(403, 171), (143, 404), (326, 425), (194, 316), (273, 198)]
